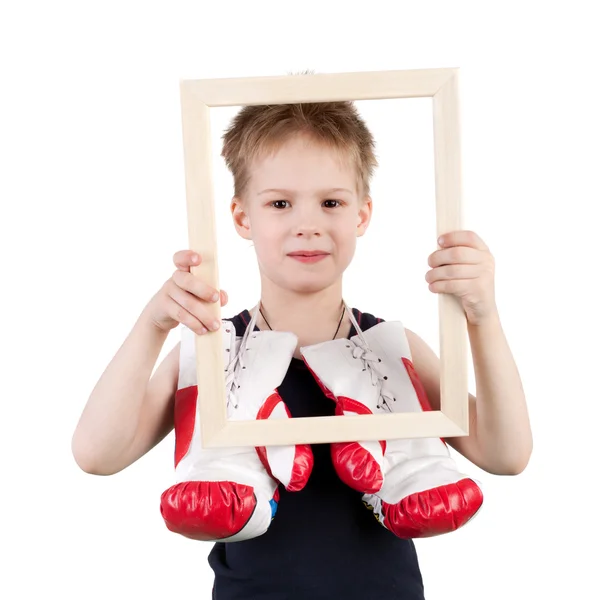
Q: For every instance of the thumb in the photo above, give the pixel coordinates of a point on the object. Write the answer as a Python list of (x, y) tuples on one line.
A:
[(224, 297)]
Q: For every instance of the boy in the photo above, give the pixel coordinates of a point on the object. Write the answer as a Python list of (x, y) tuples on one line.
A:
[(301, 175)]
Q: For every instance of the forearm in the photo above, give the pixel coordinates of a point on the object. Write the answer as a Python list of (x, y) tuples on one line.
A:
[(109, 420), (502, 421)]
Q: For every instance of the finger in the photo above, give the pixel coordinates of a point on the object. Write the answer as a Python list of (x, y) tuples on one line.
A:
[(184, 259), (185, 317), (457, 254), (224, 298), (456, 287), (447, 272), (462, 238), (195, 312), (190, 283)]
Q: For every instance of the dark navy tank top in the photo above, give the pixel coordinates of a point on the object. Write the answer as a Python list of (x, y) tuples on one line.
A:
[(323, 543)]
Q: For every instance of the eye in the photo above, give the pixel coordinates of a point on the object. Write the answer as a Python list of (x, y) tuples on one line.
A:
[(277, 201), (339, 203)]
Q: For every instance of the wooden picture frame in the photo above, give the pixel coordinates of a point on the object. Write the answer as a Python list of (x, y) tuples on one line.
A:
[(197, 98)]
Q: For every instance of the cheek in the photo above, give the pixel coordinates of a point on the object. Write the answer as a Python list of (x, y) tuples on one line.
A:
[(266, 240), (349, 247), (346, 241), (345, 232)]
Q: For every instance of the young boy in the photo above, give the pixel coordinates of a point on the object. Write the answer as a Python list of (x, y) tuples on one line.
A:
[(302, 176)]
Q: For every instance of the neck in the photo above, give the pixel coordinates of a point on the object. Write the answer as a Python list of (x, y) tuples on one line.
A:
[(305, 314)]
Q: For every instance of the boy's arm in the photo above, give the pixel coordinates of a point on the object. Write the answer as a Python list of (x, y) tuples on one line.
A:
[(500, 439), (126, 414)]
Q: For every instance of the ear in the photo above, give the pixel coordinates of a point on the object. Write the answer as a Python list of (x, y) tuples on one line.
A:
[(241, 221), (364, 216)]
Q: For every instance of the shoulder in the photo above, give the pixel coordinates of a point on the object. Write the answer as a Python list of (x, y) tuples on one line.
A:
[(421, 352), (366, 320), (240, 321), (422, 356)]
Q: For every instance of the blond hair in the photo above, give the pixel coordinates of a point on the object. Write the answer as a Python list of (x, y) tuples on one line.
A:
[(259, 130)]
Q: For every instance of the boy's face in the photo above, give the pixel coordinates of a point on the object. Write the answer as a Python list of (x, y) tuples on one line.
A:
[(292, 205)]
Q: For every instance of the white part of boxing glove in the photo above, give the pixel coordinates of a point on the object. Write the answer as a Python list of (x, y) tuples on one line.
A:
[(268, 354), (412, 485)]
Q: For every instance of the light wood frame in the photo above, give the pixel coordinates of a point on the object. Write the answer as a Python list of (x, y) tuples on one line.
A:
[(197, 97)]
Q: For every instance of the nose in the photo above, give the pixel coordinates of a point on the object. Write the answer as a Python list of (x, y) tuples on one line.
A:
[(307, 222)]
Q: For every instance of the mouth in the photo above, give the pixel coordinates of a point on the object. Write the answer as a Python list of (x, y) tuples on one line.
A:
[(309, 253), (308, 256)]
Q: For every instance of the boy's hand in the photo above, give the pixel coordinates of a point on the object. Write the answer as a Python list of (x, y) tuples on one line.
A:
[(183, 298), (465, 267)]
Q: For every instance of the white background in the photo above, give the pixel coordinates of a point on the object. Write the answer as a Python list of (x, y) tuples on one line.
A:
[(93, 209)]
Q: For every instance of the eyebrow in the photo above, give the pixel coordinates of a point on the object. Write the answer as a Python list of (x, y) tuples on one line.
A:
[(282, 191)]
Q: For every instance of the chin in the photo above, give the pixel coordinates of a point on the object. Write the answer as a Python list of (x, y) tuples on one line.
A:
[(307, 289), (309, 285)]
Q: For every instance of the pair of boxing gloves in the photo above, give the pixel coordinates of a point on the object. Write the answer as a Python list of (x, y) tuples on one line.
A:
[(412, 486)]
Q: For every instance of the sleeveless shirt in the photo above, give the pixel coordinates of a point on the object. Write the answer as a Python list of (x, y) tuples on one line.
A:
[(323, 543)]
